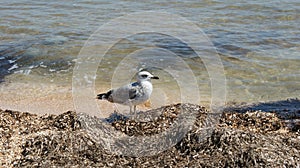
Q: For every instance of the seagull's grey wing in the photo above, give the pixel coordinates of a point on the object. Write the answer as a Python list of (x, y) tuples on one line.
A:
[(125, 93)]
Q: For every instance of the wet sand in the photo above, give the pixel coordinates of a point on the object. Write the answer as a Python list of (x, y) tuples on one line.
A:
[(45, 98), (36, 98)]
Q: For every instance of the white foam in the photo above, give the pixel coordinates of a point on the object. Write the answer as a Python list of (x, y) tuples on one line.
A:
[(11, 61), (15, 66), (27, 71)]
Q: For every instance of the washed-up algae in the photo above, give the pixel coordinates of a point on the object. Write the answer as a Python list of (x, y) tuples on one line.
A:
[(248, 139)]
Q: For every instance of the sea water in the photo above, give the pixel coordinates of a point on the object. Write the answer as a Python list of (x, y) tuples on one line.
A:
[(258, 43)]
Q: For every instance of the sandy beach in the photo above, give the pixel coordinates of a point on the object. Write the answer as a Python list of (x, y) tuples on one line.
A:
[(36, 98)]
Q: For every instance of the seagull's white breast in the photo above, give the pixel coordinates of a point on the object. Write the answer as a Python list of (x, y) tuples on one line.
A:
[(145, 93)]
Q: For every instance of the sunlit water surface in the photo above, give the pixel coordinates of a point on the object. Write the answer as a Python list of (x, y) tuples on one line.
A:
[(258, 43)]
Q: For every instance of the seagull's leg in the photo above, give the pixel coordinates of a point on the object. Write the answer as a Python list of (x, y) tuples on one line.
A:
[(134, 109), (130, 109)]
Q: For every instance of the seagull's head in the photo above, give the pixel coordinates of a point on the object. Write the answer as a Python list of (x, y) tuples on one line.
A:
[(145, 76)]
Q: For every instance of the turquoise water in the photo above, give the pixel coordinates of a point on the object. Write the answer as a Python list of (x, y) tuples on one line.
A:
[(258, 43)]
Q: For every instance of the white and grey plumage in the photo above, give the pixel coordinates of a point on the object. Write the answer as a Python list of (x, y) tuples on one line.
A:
[(132, 94)]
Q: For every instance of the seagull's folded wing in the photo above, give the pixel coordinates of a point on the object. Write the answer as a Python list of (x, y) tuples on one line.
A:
[(124, 94)]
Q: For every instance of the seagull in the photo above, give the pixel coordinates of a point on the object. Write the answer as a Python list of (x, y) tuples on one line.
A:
[(132, 94)]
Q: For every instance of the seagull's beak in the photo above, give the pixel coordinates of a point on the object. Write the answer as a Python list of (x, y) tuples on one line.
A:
[(154, 77)]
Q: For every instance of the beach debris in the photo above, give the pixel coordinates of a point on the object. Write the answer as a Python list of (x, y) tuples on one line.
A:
[(250, 139)]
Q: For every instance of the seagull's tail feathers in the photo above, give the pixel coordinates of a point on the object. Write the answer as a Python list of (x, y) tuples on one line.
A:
[(104, 96)]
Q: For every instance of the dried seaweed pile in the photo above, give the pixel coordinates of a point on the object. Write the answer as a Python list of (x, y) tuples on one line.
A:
[(251, 139), (253, 121), (156, 121)]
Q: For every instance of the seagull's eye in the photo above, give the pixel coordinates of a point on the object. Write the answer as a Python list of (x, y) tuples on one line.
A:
[(144, 76)]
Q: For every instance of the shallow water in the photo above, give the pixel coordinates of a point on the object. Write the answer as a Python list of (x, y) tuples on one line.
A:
[(258, 43)]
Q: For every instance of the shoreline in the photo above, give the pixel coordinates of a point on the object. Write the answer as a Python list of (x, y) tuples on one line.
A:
[(44, 98)]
